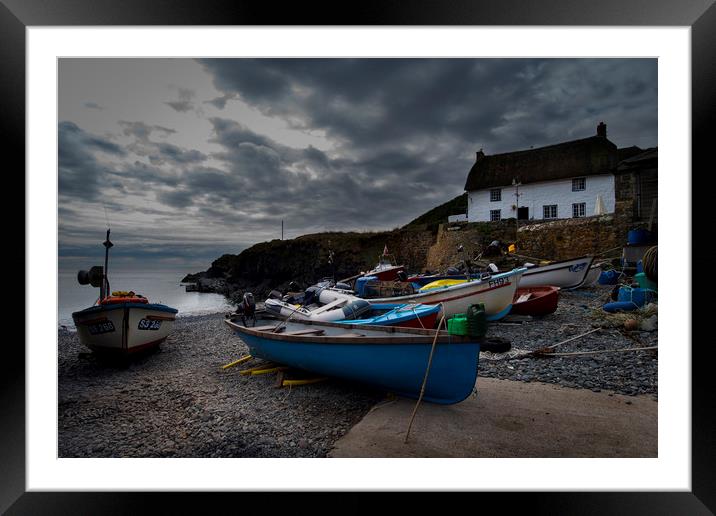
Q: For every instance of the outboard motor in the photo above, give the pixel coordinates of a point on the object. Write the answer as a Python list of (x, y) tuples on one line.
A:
[(275, 294), (342, 286), (402, 276), (311, 295), (247, 309)]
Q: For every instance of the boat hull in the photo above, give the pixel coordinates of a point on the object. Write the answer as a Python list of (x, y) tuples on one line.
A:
[(543, 301), (495, 293), (394, 362), (592, 276), (124, 328), (404, 316), (568, 274), (387, 274)]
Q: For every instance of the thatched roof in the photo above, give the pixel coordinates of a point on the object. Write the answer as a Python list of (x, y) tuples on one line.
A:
[(647, 159), (588, 156)]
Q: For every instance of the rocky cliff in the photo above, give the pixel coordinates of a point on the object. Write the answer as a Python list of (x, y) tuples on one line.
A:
[(306, 260)]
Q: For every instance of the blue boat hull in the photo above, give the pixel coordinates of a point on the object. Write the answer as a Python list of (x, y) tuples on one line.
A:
[(398, 368)]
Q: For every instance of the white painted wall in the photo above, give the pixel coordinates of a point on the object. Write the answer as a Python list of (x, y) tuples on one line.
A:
[(536, 195)]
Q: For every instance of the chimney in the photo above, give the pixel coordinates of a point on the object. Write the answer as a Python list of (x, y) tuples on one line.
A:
[(479, 155), (602, 130)]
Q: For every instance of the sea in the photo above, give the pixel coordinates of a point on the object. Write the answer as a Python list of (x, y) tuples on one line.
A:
[(163, 287)]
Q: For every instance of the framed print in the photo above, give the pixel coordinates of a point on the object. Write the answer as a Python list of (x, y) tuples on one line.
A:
[(200, 133)]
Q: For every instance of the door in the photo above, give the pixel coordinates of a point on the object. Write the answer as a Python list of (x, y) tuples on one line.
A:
[(522, 213)]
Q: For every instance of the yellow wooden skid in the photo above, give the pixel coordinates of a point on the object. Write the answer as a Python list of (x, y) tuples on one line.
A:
[(256, 368), (269, 370), (287, 383), (237, 362)]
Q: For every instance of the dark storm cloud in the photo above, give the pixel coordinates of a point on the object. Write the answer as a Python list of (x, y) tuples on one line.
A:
[(142, 131), (80, 172), (158, 152), (400, 137), (267, 180), (499, 104), (175, 154), (220, 102), (185, 102)]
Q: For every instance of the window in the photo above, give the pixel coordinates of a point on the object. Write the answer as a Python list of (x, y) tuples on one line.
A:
[(579, 209), (579, 184), (550, 211), (495, 215), (496, 194)]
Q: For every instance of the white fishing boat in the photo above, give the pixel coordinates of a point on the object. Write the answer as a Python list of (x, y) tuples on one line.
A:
[(494, 291), (121, 322), (566, 274)]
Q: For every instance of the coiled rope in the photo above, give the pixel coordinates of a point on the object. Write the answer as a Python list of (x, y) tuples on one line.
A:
[(648, 263)]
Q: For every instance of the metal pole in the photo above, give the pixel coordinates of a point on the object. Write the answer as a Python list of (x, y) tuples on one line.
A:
[(105, 284)]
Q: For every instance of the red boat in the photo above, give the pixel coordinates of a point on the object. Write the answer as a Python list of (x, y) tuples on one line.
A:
[(535, 300), (385, 270)]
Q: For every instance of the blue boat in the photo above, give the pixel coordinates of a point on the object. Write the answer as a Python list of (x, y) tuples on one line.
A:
[(387, 357), (407, 315)]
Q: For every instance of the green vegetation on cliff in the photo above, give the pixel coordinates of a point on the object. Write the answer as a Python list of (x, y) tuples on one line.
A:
[(439, 214)]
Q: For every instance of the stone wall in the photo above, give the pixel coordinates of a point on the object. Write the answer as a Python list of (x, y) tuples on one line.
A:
[(549, 240), (474, 237), (568, 238)]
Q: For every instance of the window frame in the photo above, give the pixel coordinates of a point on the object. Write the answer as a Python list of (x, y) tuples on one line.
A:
[(499, 194), (544, 211), (499, 215), (577, 205), (584, 184)]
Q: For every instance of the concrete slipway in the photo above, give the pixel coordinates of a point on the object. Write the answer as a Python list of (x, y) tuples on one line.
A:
[(510, 419)]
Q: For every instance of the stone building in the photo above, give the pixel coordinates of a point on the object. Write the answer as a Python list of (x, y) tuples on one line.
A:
[(573, 179)]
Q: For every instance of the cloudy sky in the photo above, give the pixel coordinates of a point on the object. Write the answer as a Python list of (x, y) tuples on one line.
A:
[(187, 159)]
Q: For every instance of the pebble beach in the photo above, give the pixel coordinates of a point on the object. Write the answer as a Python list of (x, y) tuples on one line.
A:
[(179, 402)]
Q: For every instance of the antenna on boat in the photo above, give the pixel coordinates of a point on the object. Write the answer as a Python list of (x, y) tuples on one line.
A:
[(104, 290)]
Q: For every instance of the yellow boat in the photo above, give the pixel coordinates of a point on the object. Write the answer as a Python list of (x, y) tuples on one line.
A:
[(441, 283)]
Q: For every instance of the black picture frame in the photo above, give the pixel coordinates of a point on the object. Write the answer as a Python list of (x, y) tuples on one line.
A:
[(16, 15)]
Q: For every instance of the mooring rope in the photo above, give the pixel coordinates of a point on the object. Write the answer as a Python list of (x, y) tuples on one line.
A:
[(427, 371)]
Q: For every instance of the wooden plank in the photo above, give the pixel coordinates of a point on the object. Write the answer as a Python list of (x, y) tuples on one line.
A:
[(305, 332), (268, 327)]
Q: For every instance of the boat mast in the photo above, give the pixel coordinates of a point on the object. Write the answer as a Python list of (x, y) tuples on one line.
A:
[(104, 290)]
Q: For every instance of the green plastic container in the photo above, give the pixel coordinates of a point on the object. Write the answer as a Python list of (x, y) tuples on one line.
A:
[(457, 325), (644, 282), (476, 320)]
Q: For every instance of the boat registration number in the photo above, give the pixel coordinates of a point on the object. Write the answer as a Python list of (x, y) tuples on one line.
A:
[(577, 267), (146, 324), (100, 328), (498, 282)]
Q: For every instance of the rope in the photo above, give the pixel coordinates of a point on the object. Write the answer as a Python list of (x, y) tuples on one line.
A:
[(648, 263), (427, 371), (412, 307), (601, 351)]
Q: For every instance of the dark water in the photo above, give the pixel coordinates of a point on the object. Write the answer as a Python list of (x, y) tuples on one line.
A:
[(159, 286)]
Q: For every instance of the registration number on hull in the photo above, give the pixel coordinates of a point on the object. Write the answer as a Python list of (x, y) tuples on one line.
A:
[(146, 324), (498, 282), (100, 328)]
